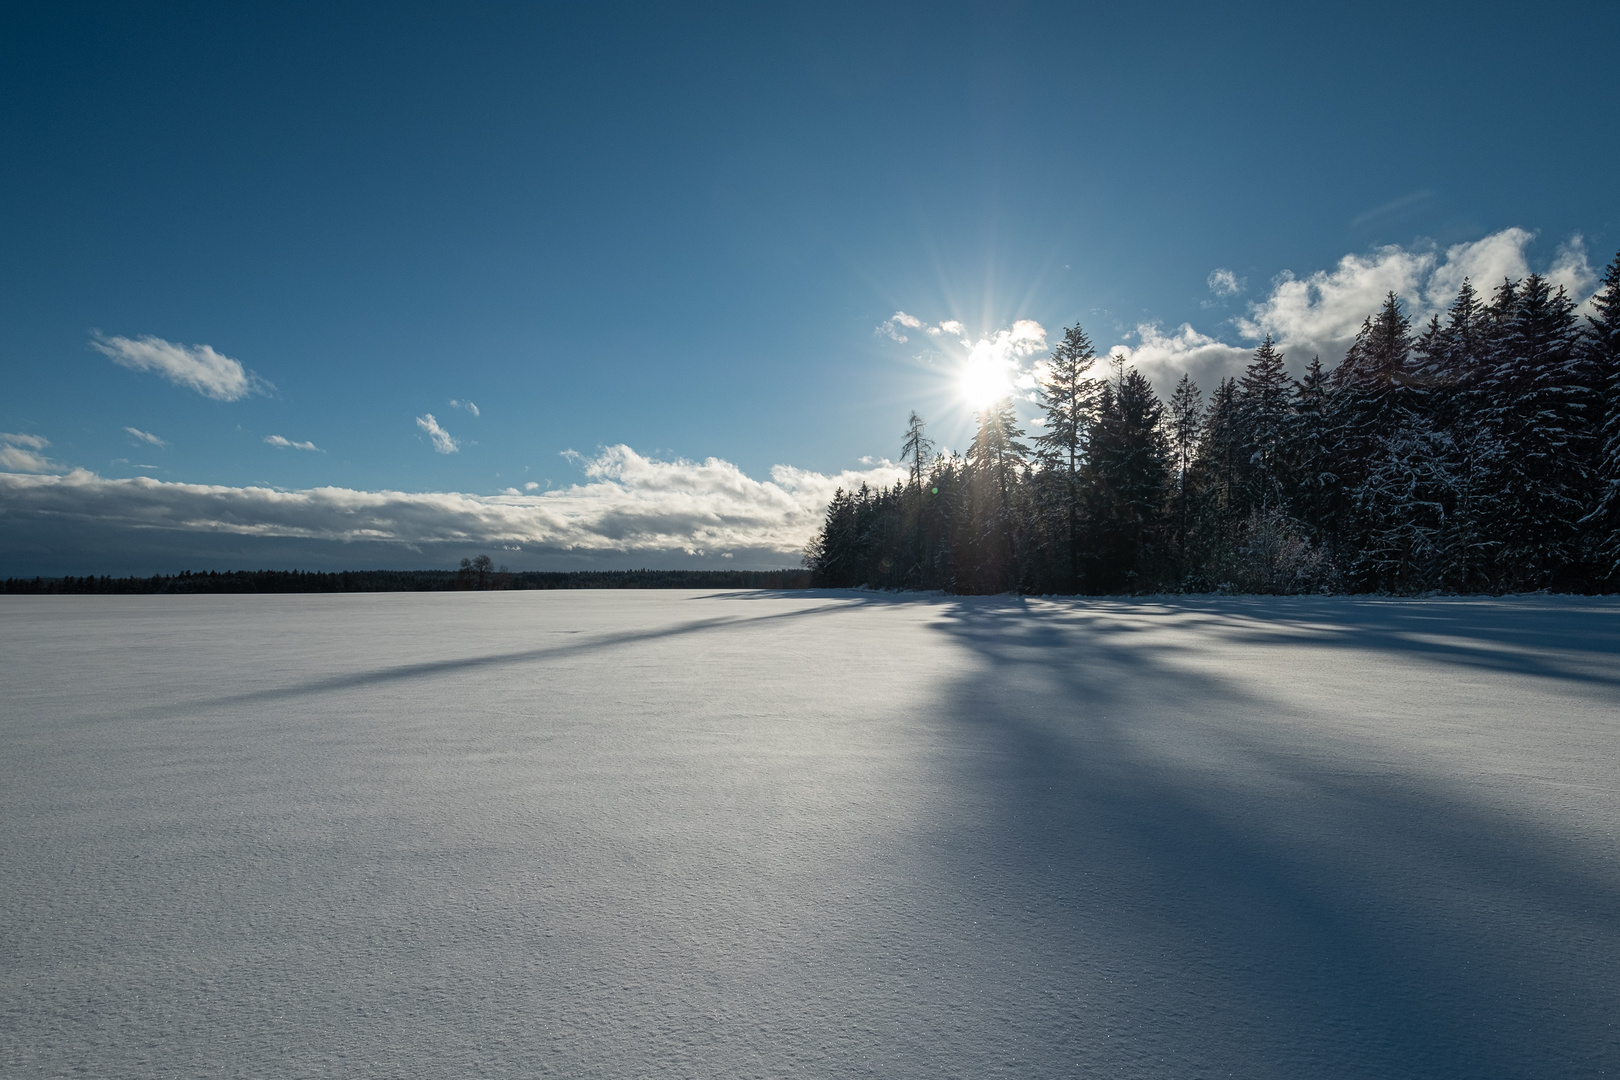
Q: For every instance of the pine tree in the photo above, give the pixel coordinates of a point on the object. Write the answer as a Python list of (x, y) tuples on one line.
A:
[(1185, 422), (1370, 408), (1449, 364), (995, 460), (1068, 398), (1540, 407), (1601, 346), (1263, 420), (1311, 458), (1220, 453), (915, 448), (1129, 474)]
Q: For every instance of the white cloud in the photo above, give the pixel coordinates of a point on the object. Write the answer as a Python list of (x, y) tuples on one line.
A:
[(1224, 283), (1163, 358), (1484, 262), (466, 405), (952, 327), (1571, 269), (531, 486), (1321, 313), (910, 321), (196, 366), (146, 436), (20, 453), (627, 503), (443, 441), (277, 440)]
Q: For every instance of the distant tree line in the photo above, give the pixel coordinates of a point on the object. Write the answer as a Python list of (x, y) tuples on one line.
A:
[(1478, 453), (477, 573)]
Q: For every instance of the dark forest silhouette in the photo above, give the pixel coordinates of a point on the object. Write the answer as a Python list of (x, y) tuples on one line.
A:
[(1480, 453), (475, 574)]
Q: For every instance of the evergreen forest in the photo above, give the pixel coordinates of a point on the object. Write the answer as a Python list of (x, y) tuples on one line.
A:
[(1479, 453)]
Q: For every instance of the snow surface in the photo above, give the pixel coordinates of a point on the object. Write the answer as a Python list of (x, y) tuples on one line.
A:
[(808, 834)]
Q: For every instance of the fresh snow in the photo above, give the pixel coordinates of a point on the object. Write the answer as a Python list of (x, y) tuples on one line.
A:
[(686, 834)]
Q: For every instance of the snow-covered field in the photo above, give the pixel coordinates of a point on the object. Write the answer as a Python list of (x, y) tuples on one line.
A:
[(638, 834)]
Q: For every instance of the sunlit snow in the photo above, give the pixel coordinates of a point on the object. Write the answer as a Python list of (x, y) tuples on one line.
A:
[(675, 834)]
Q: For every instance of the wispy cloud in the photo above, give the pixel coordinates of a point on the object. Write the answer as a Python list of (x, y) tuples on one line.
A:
[(20, 453), (892, 327), (146, 437), (627, 503), (443, 441), (1223, 282), (1392, 208), (198, 367), (468, 406), (277, 440)]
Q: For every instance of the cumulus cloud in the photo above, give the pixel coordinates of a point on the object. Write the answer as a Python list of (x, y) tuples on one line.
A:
[(1164, 357), (288, 444), (146, 437), (1322, 312), (443, 441), (196, 366), (627, 503), (20, 453), (465, 405)]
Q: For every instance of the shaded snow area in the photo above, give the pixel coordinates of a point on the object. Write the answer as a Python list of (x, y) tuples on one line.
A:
[(676, 834)]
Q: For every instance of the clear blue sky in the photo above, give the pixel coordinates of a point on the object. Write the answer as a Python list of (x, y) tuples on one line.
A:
[(682, 230)]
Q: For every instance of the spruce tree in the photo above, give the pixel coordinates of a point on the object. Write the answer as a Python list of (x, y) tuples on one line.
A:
[(1450, 364), (1539, 405), (1311, 458), (1068, 398), (1370, 410), (1185, 423), (995, 460), (1129, 472), (1220, 452), (1263, 419), (1601, 346)]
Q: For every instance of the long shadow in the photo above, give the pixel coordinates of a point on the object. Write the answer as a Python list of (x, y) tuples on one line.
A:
[(431, 668), (1504, 635), (1322, 915)]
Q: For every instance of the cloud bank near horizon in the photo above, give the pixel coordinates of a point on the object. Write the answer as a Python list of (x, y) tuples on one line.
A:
[(628, 504)]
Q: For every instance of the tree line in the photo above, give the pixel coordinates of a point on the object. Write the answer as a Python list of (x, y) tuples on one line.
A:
[(475, 574), (1477, 453)]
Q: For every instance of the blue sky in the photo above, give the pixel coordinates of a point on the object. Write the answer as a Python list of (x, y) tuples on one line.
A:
[(640, 238)]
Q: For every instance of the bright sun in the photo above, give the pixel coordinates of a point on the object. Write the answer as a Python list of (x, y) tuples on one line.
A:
[(985, 380)]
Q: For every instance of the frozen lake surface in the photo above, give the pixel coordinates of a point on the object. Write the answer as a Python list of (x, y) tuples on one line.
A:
[(675, 834)]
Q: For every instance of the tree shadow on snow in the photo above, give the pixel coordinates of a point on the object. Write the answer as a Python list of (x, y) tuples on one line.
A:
[(1278, 906)]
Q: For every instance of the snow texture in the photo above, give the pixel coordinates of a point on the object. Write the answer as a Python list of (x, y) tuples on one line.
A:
[(679, 834)]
